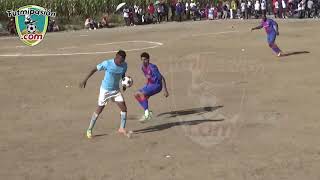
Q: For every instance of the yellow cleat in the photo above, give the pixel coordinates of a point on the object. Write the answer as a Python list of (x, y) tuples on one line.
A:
[(89, 134)]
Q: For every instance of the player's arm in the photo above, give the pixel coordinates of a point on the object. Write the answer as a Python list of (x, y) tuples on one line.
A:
[(166, 93), (276, 27), (258, 27), (84, 82)]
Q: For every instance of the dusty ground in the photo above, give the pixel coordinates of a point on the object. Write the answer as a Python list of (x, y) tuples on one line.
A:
[(235, 111)]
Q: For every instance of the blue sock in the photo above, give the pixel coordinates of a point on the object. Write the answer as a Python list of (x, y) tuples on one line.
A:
[(123, 117), (93, 121), (144, 103)]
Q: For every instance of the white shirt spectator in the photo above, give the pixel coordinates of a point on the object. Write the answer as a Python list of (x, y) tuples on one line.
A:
[(263, 5), (187, 6), (249, 3), (192, 5), (310, 4), (257, 6), (303, 5), (276, 5), (284, 5), (299, 6), (125, 13), (243, 6)]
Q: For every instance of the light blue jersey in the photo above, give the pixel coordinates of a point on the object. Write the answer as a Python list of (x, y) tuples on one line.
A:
[(113, 74)]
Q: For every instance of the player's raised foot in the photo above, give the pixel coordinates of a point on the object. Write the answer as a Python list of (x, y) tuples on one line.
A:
[(146, 117), (89, 134)]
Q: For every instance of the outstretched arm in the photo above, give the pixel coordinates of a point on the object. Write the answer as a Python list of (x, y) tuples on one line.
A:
[(84, 82), (258, 27), (166, 93)]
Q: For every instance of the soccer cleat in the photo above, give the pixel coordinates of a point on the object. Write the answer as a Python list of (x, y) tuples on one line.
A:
[(89, 134), (146, 118)]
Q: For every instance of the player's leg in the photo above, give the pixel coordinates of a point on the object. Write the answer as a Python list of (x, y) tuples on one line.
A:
[(143, 101), (102, 101), (143, 95), (273, 45), (93, 120), (123, 112)]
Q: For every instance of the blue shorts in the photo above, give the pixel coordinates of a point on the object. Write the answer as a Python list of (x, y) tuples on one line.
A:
[(151, 89), (271, 38)]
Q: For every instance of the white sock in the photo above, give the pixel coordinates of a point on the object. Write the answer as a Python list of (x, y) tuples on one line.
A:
[(146, 112)]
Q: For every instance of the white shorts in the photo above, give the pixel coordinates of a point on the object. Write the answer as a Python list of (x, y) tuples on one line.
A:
[(105, 96)]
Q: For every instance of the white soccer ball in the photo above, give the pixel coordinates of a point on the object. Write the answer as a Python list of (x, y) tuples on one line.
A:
[(31, 28), (127, 82)]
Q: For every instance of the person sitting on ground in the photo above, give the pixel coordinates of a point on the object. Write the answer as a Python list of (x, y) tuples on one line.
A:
[(11, 27), (53, 27), (90, 24), (104, 22)]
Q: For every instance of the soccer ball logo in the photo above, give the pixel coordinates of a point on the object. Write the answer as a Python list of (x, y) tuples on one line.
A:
[(31, 28), (31, 24)]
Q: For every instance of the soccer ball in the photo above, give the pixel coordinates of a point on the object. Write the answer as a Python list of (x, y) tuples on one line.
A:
[(127, 82), (31, 28)]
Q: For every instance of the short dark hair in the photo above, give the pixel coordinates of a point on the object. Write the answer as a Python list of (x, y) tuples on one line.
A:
[(122, 53), (145, 55)]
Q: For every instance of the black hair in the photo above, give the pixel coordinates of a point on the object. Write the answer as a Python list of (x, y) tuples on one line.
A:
[(145, 55), (122, 53)]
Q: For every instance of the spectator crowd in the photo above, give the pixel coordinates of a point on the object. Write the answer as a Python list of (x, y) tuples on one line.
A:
[(234, 9)]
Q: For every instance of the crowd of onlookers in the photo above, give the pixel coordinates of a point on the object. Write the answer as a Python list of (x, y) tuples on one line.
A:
[(178, 10), (233, 9)]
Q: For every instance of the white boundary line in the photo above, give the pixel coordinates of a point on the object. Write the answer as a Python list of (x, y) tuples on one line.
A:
[(215, 33), (156, 44)]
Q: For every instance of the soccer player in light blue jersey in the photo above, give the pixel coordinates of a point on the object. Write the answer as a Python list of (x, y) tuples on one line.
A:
[(115, 70)]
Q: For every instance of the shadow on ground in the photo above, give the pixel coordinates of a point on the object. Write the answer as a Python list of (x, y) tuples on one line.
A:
[(165, 126), (295, 53), (185, 112)]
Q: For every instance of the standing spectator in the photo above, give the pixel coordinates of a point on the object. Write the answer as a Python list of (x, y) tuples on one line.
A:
[(173, 9), (160, 12), (233, 9), (165, 11), (126, 15), (300, 9), (193, 10), (225, 11), (316, 8), (257, 9), (276, 9), (211, 13), (284, 9), (179, 11), (243, 10), (188, 9), (309, 8), (249, 8), (303, 8), (263, 8), (131, 17), (151, 11)]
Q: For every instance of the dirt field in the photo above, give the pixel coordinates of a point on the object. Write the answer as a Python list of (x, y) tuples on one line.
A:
[(235, 111)]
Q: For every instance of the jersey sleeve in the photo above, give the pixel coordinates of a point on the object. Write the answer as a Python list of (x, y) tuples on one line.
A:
[(103, 66), (155, 72)]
